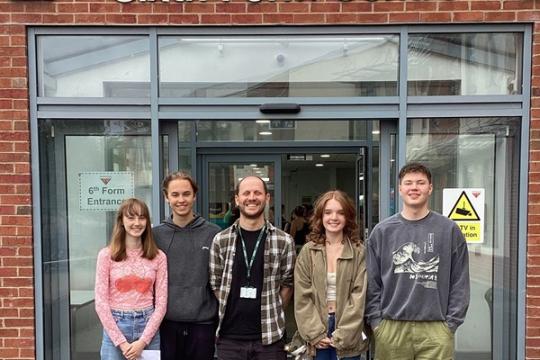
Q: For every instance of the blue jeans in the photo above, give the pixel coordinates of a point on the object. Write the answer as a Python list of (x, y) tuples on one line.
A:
[(330, 353), (131, 324)]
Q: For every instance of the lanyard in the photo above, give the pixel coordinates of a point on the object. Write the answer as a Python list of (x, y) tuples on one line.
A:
[(250, 264)]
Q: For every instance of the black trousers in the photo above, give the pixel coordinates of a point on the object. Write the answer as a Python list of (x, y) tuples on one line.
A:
[(229, 349), (187, 341)]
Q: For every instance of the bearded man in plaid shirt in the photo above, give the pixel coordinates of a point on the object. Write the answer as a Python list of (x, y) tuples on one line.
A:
[(251, 273)]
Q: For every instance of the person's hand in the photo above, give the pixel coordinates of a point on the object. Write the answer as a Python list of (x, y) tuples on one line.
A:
[(124, 347), (324, 343), (134, 352)]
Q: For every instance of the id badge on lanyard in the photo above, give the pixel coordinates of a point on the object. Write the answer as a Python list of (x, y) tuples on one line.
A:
[(250, 292)]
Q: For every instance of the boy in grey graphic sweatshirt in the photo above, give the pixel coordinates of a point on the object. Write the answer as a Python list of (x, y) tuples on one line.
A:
[(418, 276)]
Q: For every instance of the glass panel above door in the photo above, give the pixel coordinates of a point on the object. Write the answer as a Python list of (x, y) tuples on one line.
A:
[(278, 66), (465, 64), (287, 130), (93, 66)]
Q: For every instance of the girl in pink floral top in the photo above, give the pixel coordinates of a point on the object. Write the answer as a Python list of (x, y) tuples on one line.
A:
[(131, 285)]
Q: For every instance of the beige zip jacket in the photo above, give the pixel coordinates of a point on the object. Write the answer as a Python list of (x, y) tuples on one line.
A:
[(310, 297)]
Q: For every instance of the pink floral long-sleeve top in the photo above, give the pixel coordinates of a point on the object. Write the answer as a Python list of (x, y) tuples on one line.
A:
[(131, 284)]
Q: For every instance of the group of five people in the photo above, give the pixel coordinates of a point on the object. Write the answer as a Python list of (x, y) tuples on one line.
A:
[(187, 288)]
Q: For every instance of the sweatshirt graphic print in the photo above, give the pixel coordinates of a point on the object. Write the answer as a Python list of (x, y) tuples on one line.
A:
[(424, 272)]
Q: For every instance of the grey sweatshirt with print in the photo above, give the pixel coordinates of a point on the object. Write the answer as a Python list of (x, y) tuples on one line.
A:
[(417, 270), (188, 249)]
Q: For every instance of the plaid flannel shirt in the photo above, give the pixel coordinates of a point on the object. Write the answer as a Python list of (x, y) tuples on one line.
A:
[(279, 257)]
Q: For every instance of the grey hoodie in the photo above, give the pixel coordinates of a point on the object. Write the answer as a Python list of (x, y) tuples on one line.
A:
[(187, 248)]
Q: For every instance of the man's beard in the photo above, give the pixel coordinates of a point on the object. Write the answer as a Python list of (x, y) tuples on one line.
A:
[(252, 216)]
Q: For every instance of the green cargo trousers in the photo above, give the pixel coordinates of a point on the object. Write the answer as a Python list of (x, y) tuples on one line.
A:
[(413, 340)]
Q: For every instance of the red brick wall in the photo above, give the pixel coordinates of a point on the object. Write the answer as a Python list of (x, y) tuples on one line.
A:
[(16, 269)]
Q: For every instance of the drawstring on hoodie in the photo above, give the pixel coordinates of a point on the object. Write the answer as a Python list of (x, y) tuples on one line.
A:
[(174, 233), (170, 242), (188, 228)]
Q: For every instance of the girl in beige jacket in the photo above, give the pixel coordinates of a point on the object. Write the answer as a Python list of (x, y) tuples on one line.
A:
[(330, 281)]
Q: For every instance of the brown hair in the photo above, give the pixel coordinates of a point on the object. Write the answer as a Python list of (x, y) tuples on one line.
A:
[(178, 175), (414, 167), (351, 231), (132, 207)]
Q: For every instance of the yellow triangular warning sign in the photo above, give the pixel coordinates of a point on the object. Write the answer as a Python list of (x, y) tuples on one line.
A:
[(463, 209)]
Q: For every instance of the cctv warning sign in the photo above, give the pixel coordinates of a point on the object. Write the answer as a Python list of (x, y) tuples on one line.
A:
[(466, 208), (463, 209)]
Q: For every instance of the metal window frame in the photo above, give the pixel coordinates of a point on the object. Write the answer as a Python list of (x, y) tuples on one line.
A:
[(400, 107)]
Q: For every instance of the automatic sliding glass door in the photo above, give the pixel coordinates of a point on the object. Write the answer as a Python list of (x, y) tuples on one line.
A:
[(294, 179)]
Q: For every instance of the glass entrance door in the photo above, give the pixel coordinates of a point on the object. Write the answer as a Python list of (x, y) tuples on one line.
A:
[(294, 180), (88, 168)]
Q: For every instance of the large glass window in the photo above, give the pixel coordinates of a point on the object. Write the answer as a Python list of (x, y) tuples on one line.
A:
[(479, 153), (284, 130), (93, 66), (465, 64), (278, 66), (87, 169)]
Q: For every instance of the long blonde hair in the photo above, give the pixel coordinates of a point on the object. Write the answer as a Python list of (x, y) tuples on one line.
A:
[(132, 207), (350, 231)]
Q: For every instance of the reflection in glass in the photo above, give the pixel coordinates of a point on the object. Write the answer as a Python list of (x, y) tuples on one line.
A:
[(278, 66), (305, 176), (165, 154), (185, 132), (185, 138), (72, 236), (464, 64), (184, 160), (284, 130), (93, 66), (479, 153)]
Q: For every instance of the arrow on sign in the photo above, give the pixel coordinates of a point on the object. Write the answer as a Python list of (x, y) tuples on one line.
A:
[(105, 179)]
